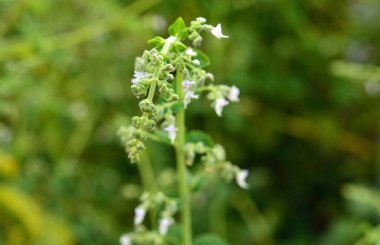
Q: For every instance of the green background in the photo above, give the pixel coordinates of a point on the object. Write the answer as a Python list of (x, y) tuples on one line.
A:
[(307, 125)]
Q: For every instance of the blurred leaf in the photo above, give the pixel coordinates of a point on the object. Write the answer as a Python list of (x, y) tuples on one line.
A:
[(178, 29), (195, 136), (157, 42), (210, 239)]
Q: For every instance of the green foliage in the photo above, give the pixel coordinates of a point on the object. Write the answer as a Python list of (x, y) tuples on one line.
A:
[(178, 29), (209, 239)]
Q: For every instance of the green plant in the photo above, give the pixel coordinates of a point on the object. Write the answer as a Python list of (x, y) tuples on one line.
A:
[(176, 71)]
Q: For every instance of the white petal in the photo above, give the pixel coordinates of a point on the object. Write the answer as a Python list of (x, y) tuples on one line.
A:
[(196, 62), (234, 94), (139, 215), (172, 132), (241, 179), (217, 32), (191, 52), (219, 104), (125, 240), (201, 19), (165, 223)]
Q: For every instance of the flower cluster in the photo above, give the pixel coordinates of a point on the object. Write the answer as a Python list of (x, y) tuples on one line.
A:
[(151, 202), (157, 67), (167, 78), (214, 160)]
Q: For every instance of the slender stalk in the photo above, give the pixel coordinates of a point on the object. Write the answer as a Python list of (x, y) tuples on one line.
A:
[(181, 167)]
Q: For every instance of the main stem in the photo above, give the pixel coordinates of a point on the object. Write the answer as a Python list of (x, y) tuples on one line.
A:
[(181, 167)]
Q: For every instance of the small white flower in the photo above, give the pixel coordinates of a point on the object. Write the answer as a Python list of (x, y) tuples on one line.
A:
[(196, 62), (201, 20), (234, 94), (186, 84), (125, 240), (219, 104), (165, 223), (138, 76), (217, 32), (241, 179), (139, 215), (190, 52), (188, 96), (172, 132)]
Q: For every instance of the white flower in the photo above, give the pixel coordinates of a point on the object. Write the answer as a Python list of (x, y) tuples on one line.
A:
[(196, 62), (165, 223), (234, 94), (186, 84), (219, 104), (188, 96), (190, 52), (201, 20), (125, 240), (241, 179), (138, 76), (172, 132), (217, 32), (139, 215)]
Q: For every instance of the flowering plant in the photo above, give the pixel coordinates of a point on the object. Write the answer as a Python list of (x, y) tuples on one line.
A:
[(166, 79)]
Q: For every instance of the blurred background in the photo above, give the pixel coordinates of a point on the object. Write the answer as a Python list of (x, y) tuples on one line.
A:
[(307, 126)]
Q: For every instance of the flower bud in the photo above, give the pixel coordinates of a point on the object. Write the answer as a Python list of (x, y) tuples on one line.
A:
[(173, 97), (147, 106), (197, 41), (163, 89), (168, 68), (136, 121), (193, 35), (150, 125), (139, 134), (132, 143)]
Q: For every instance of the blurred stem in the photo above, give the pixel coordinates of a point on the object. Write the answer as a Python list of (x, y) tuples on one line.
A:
[(181, 167), (218, 210), (148, 180)]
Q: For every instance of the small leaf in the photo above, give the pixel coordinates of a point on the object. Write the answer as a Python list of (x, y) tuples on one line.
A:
[(210, 239), (178, 29), (157, 42), (195, 136), (202, 57), (179, 46)]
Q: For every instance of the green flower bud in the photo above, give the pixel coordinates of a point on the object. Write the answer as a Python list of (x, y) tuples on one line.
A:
[(150, 125), (132, 143), (197, 41), (136, 121), (139, 134), (134, 158), (147, 106), (173, 97), (193, 35), (168, 68), (140, 146), (163, 89)]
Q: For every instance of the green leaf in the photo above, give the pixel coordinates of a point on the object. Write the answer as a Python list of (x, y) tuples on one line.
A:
[(195, 136), (178, 29), (203, 58), (157, 42), (179, 46), (210, 239), (174, 235)]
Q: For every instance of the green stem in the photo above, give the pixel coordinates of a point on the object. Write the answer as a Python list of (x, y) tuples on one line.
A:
[(181, 167)]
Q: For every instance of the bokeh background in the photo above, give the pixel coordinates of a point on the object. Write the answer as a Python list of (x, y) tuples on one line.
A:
[(307, 126)]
